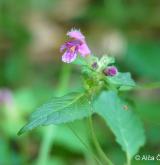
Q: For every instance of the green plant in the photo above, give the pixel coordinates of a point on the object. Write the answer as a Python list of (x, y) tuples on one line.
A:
[(102, 94)]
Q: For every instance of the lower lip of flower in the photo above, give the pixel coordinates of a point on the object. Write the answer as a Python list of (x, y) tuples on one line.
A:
[(72, 49)]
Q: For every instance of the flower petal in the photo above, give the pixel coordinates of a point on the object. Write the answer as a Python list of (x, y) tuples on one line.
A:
[(63, 47), (76, 34), (84, 50), (69, 56)]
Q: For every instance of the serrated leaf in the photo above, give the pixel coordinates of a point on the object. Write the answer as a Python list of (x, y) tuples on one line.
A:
[(122, 80), (125, 125), (59, 110)]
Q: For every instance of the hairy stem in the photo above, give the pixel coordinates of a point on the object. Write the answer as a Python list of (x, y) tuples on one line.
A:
[(97, 145), (85, 145)]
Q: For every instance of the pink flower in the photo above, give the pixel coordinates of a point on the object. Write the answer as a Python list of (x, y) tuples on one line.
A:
[(76, 45)]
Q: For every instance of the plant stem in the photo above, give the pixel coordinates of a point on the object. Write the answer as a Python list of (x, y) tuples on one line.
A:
[(97, 145), (128, 160), (85, 145)]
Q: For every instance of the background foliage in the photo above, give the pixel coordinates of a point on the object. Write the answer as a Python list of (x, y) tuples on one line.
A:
[(31, 72)]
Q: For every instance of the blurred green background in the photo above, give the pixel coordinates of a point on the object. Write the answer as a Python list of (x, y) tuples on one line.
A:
[(31, 72)]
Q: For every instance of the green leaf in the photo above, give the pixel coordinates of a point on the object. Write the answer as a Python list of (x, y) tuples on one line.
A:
[(59, 110), (80, 61), (122, 80), (125, 125), (105, 61)]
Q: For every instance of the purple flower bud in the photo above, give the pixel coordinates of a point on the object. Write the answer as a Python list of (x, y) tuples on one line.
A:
[(95, 65), (76, 45), (110, 71)]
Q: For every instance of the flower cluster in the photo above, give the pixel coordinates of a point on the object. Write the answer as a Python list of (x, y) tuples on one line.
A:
[(77, 44)]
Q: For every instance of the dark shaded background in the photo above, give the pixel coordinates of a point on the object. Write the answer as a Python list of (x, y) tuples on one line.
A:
[(31, 71)]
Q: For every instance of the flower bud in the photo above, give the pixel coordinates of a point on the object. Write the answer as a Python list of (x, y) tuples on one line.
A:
[(110, 71), (95, 65)]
